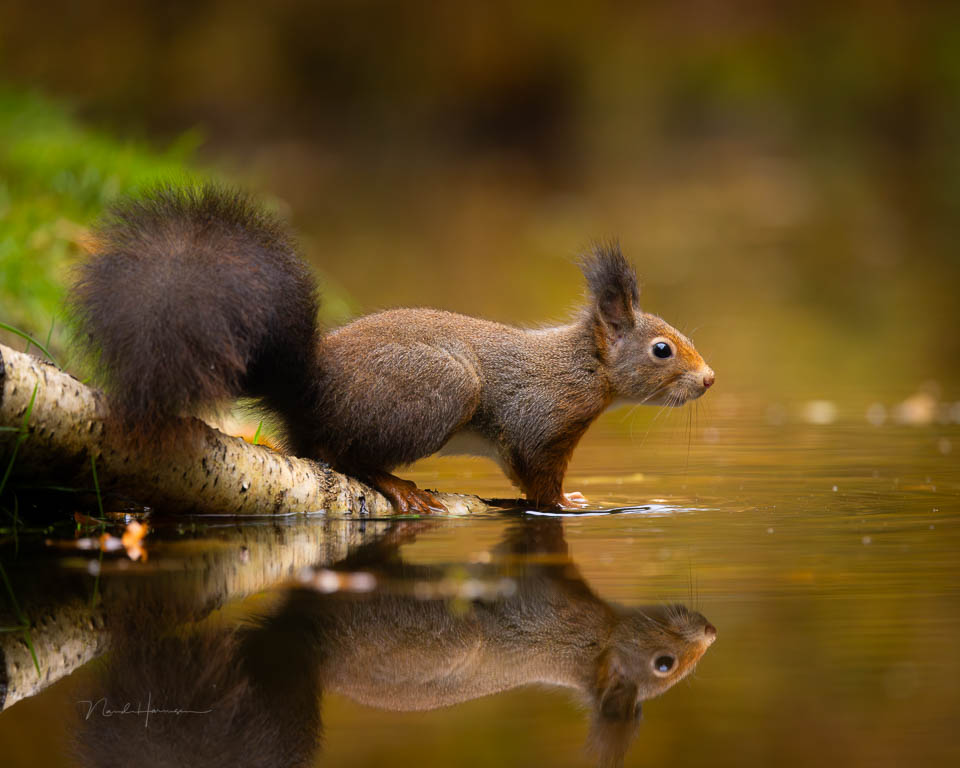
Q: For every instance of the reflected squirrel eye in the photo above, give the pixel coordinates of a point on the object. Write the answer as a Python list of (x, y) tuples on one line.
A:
[(663, 664), (662, 350)]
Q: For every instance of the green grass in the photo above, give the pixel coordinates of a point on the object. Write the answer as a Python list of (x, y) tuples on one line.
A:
[(56, 175)]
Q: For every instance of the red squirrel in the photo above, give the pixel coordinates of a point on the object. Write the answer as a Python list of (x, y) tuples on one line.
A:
[(194, 296)]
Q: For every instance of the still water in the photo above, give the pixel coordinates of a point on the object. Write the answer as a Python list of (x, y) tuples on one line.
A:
[(817, 541)]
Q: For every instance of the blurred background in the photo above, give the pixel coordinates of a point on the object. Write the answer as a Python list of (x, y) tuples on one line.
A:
[(784, 175), (786, 178)]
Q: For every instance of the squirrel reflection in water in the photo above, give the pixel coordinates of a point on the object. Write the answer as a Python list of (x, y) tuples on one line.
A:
[(260, 686)]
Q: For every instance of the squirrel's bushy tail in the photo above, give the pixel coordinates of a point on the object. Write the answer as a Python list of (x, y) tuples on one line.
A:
[(194, 296)]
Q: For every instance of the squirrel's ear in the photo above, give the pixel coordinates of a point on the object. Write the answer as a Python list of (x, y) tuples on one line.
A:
[(613, 285)]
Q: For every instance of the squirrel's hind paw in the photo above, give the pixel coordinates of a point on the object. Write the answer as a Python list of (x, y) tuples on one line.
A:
[(406, 498)]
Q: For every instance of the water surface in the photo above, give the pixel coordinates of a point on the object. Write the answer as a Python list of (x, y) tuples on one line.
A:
[(819, 542)]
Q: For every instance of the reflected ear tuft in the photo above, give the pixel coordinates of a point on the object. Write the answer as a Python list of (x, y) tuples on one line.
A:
[(609, 741), (613, 284)]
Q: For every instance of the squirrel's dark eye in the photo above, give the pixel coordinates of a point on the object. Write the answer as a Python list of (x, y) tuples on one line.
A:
[(662, 350), (663, 664)]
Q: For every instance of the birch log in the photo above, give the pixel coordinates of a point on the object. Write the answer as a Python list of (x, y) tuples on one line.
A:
[(206, 472)]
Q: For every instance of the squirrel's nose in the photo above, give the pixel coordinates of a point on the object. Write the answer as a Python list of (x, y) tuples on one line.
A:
[(708, 379), (710, 632)]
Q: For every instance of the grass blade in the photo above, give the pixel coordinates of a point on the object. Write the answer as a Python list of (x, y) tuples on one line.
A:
[(23, 436), (31, 340)]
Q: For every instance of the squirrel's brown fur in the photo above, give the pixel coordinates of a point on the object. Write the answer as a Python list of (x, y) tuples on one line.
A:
[(196, 296)]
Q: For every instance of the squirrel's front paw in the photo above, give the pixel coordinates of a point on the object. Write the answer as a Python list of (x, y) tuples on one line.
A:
[(575, 499)]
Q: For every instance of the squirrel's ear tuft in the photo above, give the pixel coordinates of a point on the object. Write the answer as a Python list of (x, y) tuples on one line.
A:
[(613, 284)]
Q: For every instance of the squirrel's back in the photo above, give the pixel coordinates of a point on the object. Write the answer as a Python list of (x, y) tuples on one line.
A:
[(194, 296)]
